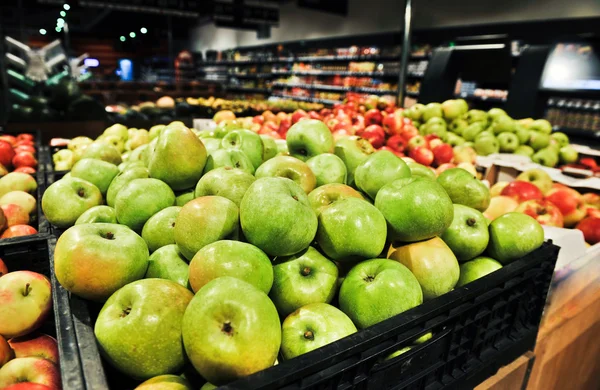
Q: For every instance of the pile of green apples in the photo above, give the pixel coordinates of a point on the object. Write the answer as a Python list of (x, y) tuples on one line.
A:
[(229, 251), (492, 132)]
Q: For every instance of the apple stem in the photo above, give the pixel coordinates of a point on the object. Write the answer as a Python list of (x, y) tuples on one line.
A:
[(305, 271), (295, 197), (471, 221), (27, 290), (81, 193), (227, 328), (126, 312), (542, 211), (309, 335), (369, 278)]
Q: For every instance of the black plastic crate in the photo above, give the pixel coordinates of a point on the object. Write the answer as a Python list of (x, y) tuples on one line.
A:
[(36, 253), (477, 329)]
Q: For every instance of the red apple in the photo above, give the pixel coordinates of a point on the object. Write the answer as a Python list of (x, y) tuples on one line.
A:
[(24, 169), (431, 137), (324, 112), (500, 205), (28, 386), (18, 231), (3, 268), (36, 345), (522, 191), (299, 113), (15, 214), (589, 162), (25, 136), (409, 132), (314, 115), (24, 159), (443, 167), (416, 142), (442, 154), (590, 227), (374, 134), (373, 117), (435, 143), (6, 153), (258, 119), (284, 126), (6, 353), (570, 204), (593, 212), (12, 140), (23, 143), (392, 124), (397, 143), (545, 212), (24, 148), (591, 199), (421, 155), (30, 369)]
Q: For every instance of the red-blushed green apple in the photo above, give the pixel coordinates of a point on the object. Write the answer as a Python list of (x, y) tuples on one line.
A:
[(140, 199), (65, 200), (95, 260), (477, 268), (433, 264), (377, 289), (231, 329), (232, 158), (513, 235), (313, 326), (181, 198), (328, 168), (419, 170), (36, 345), (21, 198), (292, 223), (122, 179), (379, 169), (353, 151), (6, 352), (231, 258), (246, 141), (99, 173), (500, 205), (351, 229), (102, 151), (570, 203), (17, 181), (230, 183), (178, 158), (203, 221), (301, 279), (568, 155), (159, 229), (468, 234), (18, 231), (309, 138), (27, 386), (25, 302), (509, 142), (486, 145), (98, 214), (325, 195), (30, 369), (290, 168), (139, 328), (543, 211), (415, 209), (14, 214), (591, 200), (168, 263), (464, 189), (453, 109), (497, 188), (522, 191), (165, 382)]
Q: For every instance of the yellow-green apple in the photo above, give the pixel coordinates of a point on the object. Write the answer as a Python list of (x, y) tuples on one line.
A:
[(166, 382), (139, 138), (415, 209), (121, 179), (568, 155), (223, 115), (415, 112), (431, 110), (231, 258), (377, 289), (508, 142), (231, 329), (140, 199), (102, 151), (538, 140), (325, 195), (34, 370), (159, 229), (487, 145), (313, 326), (291, 217), (140, 154), (497, 188), (496, 113), (248, 142), (35, 345), (547, 157), (544, 211), (139, 328), (522, 191), (476, 268), (168, 263), (95, 260), (379, 169), (178, 158), (282, 149), (25, 302), (290, 168), (514, 235), (115, 141), (17, 181), (454, 140), (99, 173), (541, 125), (328, 168), (6, 352), (570, 203), (203, 221), (351, 229), (63, 160), (503, 124), (419, 170), (20, 198), (537, 176), (561, 138), (211, 144), (399, 352), (500, 205), (453, 109), (98, 214), (523, 134), (458, 126), (232, 158), (18, 231), (468, 234), (118, 130), (14, 214), (269, 147), (80, 142), (230, 183), (474, 129), (181, 198), (353, 151), (591, 200), (65, 200), (464, 189), (433, 264), (301, 279)]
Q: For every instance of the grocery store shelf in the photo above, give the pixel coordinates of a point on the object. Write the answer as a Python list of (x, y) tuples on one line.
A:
[(415, 75), (335, 73), (420, 56), (248, 89), (303, 59), (253, 76), (336, 88), (306, 99), (480, 98), (412, 93)]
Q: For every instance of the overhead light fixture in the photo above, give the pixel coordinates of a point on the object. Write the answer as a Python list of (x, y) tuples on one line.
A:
[(60, 22), (143, 30), (67, 7), (63, 13), (58, 29), (122, 38), (43, 31), (132, 34)]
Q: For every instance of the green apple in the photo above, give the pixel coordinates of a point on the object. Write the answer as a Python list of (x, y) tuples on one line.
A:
[(514, 235), (102, 151), (351, 229), (211, 144), (419, 170), (465, 189), (269, 147), (225, 342), (230, 183), (468, 234), (415, 209), (291, 168), (454, 140), (415, 112), (63, 160), (325, 195), (399, 352), (140, 199), (98, 214), (561, 138), (432, 263), (353, 151), (138, 138), (473, 116), (458, 126), (432, 110), (495, 113), (181, 198), (308, 138), (113, 140), (291, 218), (99, 173), (155, 131), (453, 109), (231, 258), (434, 127), (301, 279), (94, 260), (523, 134), (476, 268), (203, 221), (328, 168), (378, 289), (525, 150), (232, 158), (246, 141), (65, 200), (140, 154), (547, 157), (210, 386), (282, 149), (503, 124), (568, 155), (122, 179), (509, 142), (166, 382), (125, 165), (485, 134), (159, 229), (138, 329), (472, 130), (168, 263), (313, 326), (541, 125), (537, 176), (539, 140), (379, 169), (80, 142), (486, 145)]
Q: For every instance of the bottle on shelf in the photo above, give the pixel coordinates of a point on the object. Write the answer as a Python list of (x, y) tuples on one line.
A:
[(596, 117)]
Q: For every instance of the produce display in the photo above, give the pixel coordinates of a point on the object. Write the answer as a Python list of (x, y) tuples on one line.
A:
[(235, 250)]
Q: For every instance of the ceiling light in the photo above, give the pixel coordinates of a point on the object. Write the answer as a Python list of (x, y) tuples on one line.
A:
[(143, 30), (132, 34), (63, 13), (58, 29), (43, 31), (122, 38), (67, 7)]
